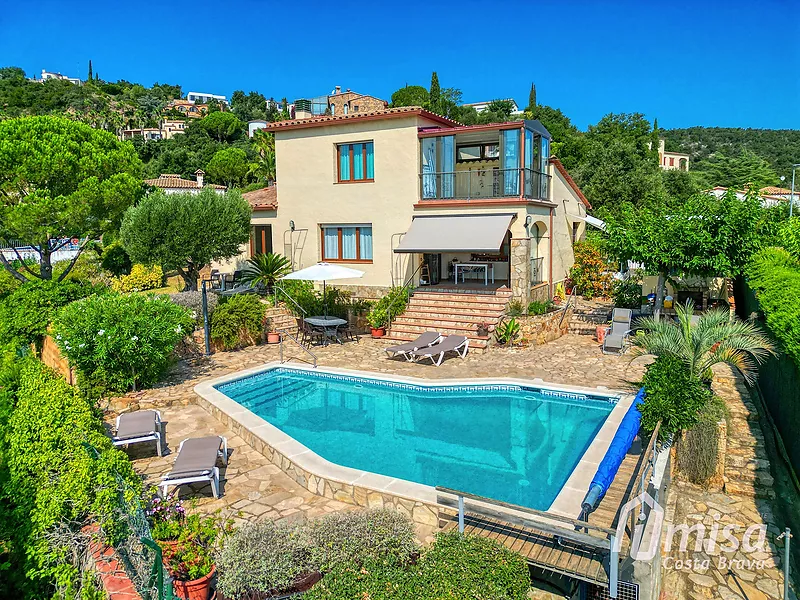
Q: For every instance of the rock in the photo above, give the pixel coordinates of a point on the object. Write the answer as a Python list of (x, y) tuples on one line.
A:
[(768, 586), (702, 580)]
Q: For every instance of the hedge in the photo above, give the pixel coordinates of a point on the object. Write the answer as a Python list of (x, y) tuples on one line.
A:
[(59, 473)]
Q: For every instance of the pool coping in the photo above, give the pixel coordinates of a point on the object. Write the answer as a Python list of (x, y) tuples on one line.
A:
[(355, 486)]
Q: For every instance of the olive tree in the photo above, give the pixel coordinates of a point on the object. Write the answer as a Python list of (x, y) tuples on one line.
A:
[(185, 232), (61, 179)]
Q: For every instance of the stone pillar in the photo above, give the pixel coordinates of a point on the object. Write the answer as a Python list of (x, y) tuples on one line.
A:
[(520, 267)]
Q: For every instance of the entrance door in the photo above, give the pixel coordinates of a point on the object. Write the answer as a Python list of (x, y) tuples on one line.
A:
[(260, 239), (434, 262)]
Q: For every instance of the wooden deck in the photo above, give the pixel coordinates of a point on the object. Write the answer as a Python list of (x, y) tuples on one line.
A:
[(583, 561)]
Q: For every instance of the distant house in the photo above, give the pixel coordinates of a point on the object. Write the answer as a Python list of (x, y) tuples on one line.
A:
[(337, 103), (174, 184), (190, 109), (482, 106), (670, 161), (255, 125), (168, 129), (48, 75), (204, 98), (767, 199)]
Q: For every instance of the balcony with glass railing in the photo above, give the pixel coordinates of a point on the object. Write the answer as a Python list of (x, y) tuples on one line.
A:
[(487, 162)]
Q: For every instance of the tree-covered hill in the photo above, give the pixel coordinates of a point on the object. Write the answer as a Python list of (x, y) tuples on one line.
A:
[(779, 147)]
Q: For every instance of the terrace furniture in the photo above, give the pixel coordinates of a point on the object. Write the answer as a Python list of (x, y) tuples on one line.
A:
[(452, 343), (473, 266), (616, 339), (197, 461), (139, 426), (348, 332), (328, 326), (309, 333), (423, 341)]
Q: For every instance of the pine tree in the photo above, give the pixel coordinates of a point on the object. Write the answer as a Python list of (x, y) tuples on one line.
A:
[(435, 93), (90, 77), (532, 97), (285, 110)]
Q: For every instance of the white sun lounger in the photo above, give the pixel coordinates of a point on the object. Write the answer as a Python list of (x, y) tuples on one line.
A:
[(197, 461), (426, 339), (452, 343), (138, 426)]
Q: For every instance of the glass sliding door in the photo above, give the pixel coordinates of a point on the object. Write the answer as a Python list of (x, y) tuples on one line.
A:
[(429, 168), (447, 153), (544, 190), (510, 162), (528, 163)]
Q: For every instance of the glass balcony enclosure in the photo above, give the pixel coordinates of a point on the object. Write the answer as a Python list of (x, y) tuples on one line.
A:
[(508, 160)]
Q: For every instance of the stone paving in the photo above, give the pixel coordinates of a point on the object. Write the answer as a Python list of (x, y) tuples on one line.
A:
[(710, 573)]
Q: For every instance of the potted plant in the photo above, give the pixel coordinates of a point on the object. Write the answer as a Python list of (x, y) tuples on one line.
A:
[(167, 517), (483, 329), (377, 321), (273, 336)]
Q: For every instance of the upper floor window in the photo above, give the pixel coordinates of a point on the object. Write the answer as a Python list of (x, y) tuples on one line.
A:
[(355, 162)]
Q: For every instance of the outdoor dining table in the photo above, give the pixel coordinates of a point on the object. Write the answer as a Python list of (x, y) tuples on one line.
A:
[(327, 324)]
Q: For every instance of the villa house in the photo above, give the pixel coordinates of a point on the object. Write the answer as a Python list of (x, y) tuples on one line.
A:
[(172, 183), (406, 195)]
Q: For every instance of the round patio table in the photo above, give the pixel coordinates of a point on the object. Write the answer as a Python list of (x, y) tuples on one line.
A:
[(328, 325)]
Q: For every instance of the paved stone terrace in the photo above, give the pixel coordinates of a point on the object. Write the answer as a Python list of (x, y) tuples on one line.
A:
[(253, 488)]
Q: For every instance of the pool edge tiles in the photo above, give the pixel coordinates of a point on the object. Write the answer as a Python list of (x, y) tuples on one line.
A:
[(364, 488)]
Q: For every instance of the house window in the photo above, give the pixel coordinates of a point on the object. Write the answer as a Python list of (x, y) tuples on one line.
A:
[(347, 243), (355, 108), (260, 239), (671, 161), (355, 162), (574, 232)]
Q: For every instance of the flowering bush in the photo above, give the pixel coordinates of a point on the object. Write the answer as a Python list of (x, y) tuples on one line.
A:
[(140, 279), (194, 302), (120, 342), (167, 517), (590, 273)]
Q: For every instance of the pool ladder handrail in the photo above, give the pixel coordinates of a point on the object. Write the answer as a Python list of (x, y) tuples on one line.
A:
[(282, 334)]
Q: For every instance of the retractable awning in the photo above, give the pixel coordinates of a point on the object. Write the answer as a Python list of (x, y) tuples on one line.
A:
[(462, 233), (590, 220)]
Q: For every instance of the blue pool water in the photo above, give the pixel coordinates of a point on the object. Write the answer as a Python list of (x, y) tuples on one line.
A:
[(513, 443)]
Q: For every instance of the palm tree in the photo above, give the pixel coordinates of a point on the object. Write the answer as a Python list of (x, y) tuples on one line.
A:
[(264, 167), (715, 337), (266, 269)]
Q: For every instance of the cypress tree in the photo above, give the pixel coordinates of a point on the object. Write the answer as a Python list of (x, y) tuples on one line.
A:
[(532, 97), (654, 141), (436, 92), (90, 77)]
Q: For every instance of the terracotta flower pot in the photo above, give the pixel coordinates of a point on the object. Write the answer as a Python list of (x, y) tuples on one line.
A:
[(273, 337), (378, 332), (601, 333), (196, 589)]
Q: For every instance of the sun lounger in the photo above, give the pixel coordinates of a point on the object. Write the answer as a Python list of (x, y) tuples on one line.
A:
[(426, 339), (139, 426), (616, 337), (197, 461), (436, 352)]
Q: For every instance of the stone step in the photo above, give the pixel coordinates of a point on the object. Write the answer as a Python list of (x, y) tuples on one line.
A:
[(398, 337), (447, 317), (460, 308), (443, 328), (757, 478), (474, 299), (738, 463), (747, 489)]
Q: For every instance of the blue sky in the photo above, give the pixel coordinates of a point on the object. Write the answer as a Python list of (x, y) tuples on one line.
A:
[(696, 62)]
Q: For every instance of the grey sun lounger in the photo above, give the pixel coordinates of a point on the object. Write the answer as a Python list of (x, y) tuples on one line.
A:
[(436, 352), (197, 461), (617, 335), (138, 426), (429, 338)]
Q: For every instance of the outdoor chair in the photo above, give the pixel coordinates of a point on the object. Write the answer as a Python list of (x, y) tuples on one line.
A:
[(616, 338), (348, 332), (138, 426), (452, 343), (310, 334), (423, 341), (197, 461)]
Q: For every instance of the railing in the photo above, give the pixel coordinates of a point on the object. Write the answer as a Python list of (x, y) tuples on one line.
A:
[(282, 334), (566, 306), (646, 466), (537, 268), (483, 184), (407, 282), (541, 521), (276, 288)]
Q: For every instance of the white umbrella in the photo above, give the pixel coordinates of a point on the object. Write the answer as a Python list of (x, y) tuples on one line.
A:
[(323, 272)]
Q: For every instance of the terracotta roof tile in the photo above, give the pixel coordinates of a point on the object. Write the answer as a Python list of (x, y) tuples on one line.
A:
[(361, 116), (778, 191), (172, 180), (263, 199), (570, 181)]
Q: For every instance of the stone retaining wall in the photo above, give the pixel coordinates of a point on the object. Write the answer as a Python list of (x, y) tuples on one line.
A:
[(540, 329), (52, 357), (419, 512)]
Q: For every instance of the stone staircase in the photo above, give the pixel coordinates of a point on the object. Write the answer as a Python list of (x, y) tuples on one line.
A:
[(282, 320), (747, 471), (588, 314), (451, 313)]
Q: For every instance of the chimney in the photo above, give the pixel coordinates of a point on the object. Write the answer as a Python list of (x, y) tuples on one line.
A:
[(337, 90), (199, 175)]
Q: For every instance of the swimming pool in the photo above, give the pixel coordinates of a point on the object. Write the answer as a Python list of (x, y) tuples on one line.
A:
[(508, 441)]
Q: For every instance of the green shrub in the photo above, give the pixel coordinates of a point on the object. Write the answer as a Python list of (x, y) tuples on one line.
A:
[(26, 313), (590, 273), (537, 307), (238, 321), (88, 269), (515, 309), (673, 396), (774, 275), (115, 259), (395, 301), (140, 279), (627, 293), (120, 342), (507, 332), (361, 536), (261, 557), (8, 283), (55, 482), (455, 567)]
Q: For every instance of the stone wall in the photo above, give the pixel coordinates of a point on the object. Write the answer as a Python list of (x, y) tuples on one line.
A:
[(52, 357), (520, 265), (421, 513), (540, 292), (540, 329)]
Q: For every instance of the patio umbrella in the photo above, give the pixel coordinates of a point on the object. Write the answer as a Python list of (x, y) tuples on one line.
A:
[(324, 272)]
